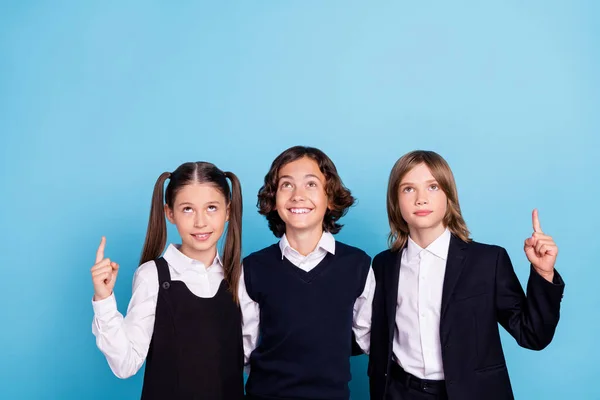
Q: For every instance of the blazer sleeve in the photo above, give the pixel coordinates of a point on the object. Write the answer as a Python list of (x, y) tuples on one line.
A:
[(531, 319)]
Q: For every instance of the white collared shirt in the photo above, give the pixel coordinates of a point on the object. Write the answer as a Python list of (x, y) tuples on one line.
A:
[(361, 325), (306, 263), (416, 345), (125, 340)]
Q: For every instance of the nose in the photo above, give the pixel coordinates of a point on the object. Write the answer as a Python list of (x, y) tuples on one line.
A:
[(421, 199), (298, 194), (200, 220)]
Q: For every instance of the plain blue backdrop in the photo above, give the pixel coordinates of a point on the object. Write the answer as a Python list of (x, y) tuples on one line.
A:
[(97, 99)]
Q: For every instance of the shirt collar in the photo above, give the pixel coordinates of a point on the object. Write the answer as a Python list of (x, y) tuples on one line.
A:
[(439, 247), (180, 262), (327, 243)]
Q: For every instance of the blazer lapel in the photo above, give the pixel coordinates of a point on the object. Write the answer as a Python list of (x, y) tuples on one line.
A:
[(457, 254)]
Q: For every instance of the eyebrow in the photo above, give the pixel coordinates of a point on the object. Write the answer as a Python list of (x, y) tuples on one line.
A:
[(305, 176), (192, 204), (410, 183)]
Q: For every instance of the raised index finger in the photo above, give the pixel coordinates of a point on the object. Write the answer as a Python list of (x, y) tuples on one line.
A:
[(100, 252), (536, 221)]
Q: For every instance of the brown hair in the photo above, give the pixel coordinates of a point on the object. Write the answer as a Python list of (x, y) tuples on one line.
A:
[(185, 174), (443, 175), (339, 197)]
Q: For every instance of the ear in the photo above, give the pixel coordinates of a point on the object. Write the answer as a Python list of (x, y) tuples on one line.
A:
[(228, 209), (169, 214)]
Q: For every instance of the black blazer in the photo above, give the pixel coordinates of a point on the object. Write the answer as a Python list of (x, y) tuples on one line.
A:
[(480, 290)]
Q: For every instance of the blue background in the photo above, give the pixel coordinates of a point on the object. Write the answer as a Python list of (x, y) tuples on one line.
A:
[(96, 100)]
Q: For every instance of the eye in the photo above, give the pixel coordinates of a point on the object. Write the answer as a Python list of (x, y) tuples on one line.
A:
[(408, 189), (212, 208), (312, 184), (286, 185), (434, 186), (187, 209)]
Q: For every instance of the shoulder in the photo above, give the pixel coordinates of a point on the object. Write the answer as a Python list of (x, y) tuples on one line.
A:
[(383, 256), (383, 260), (344, 249), (255, 268), (262, 254), (147, 272), (484, 248), (146, 275), (487, 255), (354, 256)]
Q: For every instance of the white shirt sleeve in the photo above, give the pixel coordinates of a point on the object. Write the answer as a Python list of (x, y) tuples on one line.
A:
[(125, 341), (363, 310), (250, 319)]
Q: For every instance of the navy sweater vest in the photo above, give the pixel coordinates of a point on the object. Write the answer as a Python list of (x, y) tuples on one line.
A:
[(305, 339)]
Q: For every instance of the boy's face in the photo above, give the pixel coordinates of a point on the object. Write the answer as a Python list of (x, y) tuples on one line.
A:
[(423, 203), (301, 201)]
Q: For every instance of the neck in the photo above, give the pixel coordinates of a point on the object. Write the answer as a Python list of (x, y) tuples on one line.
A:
[(424, 237), (206, 257), (304, 241)]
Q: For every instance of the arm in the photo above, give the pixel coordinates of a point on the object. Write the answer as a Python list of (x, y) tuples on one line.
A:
[(125, 341), (361, 326), (250, 319), (530, 319)]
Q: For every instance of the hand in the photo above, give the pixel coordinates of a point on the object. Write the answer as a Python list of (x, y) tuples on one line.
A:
[(540, 249), (104, 274)]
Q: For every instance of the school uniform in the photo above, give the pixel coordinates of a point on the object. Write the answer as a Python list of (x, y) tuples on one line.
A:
[(305, 311), (435, 320), (183, 321)]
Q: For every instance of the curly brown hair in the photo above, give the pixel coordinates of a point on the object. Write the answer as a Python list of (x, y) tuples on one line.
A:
[(339, 197)]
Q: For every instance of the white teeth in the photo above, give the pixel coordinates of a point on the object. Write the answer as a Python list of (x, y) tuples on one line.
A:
[(202, 236), (300, 210)]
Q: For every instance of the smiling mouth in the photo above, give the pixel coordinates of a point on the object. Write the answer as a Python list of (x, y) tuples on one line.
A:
[(299, 211), (201, 236)]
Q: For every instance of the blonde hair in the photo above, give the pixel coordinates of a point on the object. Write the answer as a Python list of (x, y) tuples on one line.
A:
[(442, 173)]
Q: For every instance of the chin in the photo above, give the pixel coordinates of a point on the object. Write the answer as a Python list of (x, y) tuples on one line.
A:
[(301, 226), (297, 226), (424, 225), (201, 247)]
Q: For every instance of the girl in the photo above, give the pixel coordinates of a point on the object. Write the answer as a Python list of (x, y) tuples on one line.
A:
[(184, 312), (440, 296), (307, 295)]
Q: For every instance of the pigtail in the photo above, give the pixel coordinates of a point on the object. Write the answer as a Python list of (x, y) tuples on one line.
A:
[(156, 235), (232, 255)]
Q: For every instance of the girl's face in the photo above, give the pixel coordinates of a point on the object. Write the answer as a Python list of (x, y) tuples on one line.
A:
[(301, 200), (199, 213), (423, 204)]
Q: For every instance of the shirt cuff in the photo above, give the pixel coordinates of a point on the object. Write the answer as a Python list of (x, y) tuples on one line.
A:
[(105, 306)]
